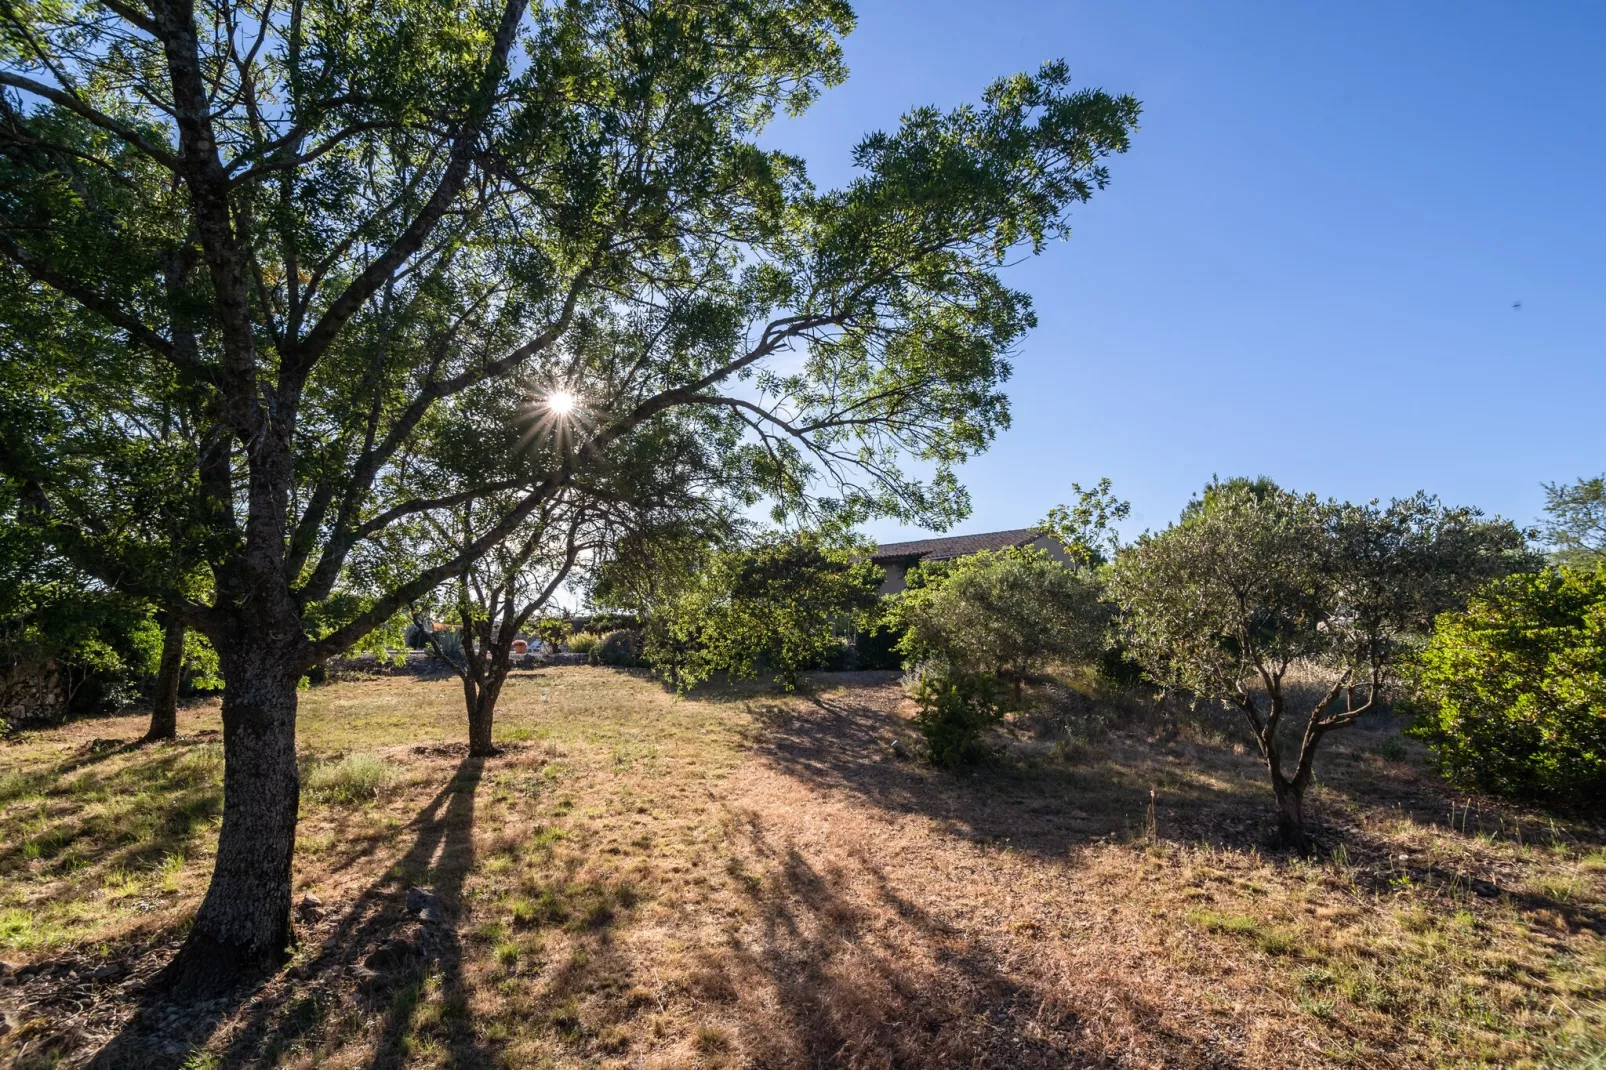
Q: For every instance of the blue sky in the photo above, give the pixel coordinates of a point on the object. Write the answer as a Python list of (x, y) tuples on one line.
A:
[(1305, 267)]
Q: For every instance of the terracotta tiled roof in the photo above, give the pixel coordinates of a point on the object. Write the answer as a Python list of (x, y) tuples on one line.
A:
[(954, 545)]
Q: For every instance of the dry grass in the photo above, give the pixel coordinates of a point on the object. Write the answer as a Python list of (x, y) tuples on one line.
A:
[(746, 880)]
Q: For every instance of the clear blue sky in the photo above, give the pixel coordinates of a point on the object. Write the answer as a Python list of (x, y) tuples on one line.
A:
[(1305, 267)]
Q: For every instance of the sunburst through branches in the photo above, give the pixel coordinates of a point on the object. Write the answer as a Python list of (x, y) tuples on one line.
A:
[(556, 416)]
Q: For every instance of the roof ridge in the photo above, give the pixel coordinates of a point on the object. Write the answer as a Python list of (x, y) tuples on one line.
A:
[(957, 545)]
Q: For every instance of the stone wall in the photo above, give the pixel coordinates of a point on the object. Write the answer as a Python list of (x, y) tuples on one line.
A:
[(32, 694), (425, 663)]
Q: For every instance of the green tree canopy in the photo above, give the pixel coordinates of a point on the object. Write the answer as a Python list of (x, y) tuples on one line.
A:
[(307, 233), (1008, 612), (1086, 529), (1576, 522), (781, 604)]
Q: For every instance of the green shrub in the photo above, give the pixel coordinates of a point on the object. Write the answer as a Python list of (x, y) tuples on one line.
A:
[(1511, 693), (1012, 611), (583, 642), (450, 643), (354, 778), (621, 647), (955, 708)]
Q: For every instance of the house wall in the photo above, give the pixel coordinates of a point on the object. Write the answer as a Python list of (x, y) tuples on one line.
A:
[(897, 571), (1054, 548)]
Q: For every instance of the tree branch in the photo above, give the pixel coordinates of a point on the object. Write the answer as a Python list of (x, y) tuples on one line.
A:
[(413, 236), (99, 118), (107, 309)]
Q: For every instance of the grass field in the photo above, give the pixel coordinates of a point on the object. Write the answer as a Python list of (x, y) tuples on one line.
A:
[(742, 879)]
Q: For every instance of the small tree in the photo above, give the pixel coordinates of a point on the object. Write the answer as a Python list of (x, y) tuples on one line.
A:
[(169, 674), (499, 594), (1512, 691), (783, 605), (1255, 581), (1085, 529), (1005, 613)]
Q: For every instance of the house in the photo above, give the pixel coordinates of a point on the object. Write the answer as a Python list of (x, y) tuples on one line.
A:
[(899, 557)]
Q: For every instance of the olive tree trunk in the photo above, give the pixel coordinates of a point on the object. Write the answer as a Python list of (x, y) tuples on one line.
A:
[(480, 698), (1290, 810), (1289, 791)]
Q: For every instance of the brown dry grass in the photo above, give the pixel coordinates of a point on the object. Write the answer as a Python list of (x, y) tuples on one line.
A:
[(746, 880)]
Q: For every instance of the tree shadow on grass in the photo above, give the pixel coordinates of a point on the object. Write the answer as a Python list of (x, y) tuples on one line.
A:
[(179, 800), (847, 971), (842, 741), (398, 942)]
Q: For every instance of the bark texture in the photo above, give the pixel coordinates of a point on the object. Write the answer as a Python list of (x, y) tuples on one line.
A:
[(481, 699), (1290, 812), (244, 921), (164, 697)]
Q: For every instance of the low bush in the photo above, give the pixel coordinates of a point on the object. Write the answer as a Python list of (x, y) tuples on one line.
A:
[(1010, 612), (352, 779), (582, 642), (1511, 692), (621, 647), (955, 709), (450, 644)]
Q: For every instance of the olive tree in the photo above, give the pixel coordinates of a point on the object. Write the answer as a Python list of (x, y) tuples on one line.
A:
[(968, 623), (311, 227), (1256, 587)]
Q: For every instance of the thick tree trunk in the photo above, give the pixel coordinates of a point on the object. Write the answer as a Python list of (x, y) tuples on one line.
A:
[(243, 924), (164, 698)]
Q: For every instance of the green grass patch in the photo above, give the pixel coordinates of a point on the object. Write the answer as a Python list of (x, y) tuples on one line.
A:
[(356, 778)]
